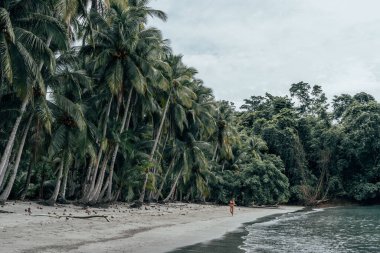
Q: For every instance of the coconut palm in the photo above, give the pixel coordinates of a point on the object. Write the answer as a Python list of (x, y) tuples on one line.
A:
[(179, 97), (127, 57), (191, 163), (24, 50)]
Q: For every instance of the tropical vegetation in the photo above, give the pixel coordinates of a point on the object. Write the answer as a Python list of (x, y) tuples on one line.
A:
[(95, 107)]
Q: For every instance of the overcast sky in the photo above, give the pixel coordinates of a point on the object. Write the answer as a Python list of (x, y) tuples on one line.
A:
[(249, 47)]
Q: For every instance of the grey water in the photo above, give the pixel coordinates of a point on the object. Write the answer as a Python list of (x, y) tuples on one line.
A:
[(353, 229)]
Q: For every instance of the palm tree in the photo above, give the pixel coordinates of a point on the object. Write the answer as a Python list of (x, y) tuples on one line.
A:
[(24, 49), (225, 134), (191, 163), (68, 137), (179, 97), (126, 55), (69, 84), (4, 196)]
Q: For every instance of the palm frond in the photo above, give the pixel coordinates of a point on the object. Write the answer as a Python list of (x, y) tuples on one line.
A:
[(72, 109), (5, 59), (6, 24)]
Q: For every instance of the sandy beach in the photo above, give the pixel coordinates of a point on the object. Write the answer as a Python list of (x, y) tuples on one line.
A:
[(151, 228)]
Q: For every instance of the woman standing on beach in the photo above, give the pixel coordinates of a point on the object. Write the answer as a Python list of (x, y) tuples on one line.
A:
[(232, 205)]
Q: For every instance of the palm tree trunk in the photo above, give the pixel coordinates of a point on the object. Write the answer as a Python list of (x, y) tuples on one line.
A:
[(160, 128), (4, 196), (163, 149), (117, 195), (100, 154), (99, 183), (27, 181), (64, 182), (8, 148), (7, 171), (214, 155), (105, 187), (173, 187), (116, 150), (87, 182), (164, 179), (110, 177), (165, 143), (142, 195), (119, 99), (150, 194), (131, 112), (41, 191), (53, 197)]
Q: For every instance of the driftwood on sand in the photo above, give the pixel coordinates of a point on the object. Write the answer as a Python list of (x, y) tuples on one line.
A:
[(73, 216)]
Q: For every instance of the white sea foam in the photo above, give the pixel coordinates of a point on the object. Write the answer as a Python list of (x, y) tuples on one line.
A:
[(286, 217)]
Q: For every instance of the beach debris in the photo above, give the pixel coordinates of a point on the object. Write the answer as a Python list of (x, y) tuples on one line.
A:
[(136, 204), (74, 217)]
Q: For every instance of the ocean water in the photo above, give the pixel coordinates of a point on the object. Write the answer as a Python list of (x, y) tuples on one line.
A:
[(353, 229)]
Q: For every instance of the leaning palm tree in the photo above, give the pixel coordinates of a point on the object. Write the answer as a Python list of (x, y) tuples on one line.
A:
[(7, 190), (179, 97), (24, 50), (191, 164), (68, 85), (68, 137)]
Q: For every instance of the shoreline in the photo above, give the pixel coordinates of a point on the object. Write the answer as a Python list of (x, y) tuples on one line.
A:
[(152, 228)]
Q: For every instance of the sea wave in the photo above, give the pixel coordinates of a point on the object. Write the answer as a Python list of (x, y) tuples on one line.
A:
[(318, 230), (286, 217)]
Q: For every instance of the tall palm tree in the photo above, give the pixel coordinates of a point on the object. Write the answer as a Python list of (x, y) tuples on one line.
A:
[(179, 97), (127, 56), (24, 50), (68, 137), (191, 163)]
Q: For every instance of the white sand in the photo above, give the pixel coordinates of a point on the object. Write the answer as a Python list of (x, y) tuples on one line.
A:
[(154, 228)]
